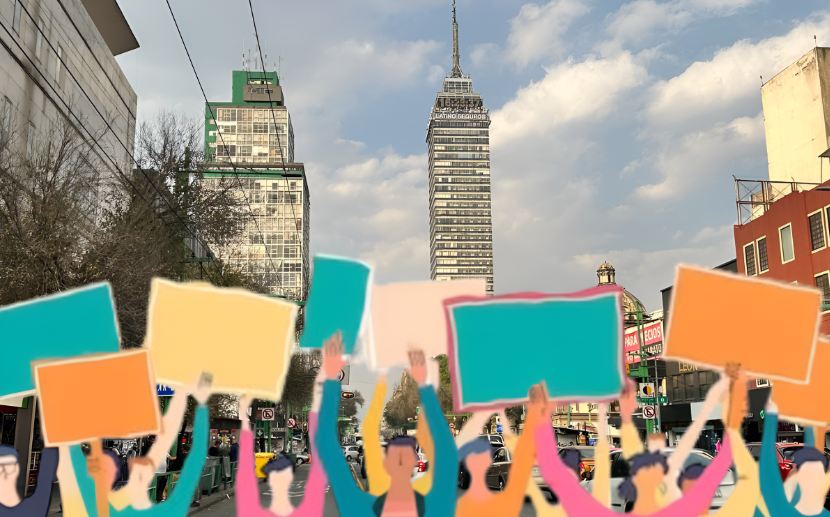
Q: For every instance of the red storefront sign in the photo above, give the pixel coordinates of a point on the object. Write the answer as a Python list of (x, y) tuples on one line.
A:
[(652, 345)]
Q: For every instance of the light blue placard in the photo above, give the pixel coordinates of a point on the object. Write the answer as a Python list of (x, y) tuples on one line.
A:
[(504, 346), (74, 322), (338, 300)]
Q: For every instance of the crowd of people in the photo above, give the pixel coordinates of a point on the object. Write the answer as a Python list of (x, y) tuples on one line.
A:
[(657, 484)]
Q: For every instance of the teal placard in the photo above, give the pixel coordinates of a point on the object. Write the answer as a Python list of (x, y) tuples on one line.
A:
[(501, 346), (66, 324), (338, 300)]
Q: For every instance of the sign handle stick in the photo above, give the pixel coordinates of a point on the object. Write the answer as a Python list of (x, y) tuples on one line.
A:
[(101, 488)]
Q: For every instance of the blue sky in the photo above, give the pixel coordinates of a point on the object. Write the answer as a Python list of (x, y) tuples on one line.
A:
[(617, 126)]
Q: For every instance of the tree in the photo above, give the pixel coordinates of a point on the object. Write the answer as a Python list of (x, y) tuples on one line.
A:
[(445, 386), (348, 407), (400, 410)]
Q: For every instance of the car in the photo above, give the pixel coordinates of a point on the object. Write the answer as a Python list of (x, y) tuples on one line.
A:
[(463, 475), (495, 439), (301, 457), (786, 451), (586, 458), (351, 452), (619, 472)]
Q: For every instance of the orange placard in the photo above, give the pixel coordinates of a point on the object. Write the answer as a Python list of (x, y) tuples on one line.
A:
[(768, 327), (97, 396), (806, 403)]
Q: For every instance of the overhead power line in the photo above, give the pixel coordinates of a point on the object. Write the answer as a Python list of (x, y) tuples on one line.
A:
[(219, 133), (89, 133)]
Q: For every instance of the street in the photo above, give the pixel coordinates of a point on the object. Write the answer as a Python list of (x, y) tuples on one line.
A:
[(227, 508)]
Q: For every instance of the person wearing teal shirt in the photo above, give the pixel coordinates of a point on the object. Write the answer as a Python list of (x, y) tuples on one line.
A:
[(178, 503), (401, 499), (811, 496)]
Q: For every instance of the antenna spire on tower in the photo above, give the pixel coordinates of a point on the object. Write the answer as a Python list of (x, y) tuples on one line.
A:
[(456, 66)]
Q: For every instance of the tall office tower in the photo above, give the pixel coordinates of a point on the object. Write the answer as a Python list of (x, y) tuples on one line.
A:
[(246, 148), (460, 227)]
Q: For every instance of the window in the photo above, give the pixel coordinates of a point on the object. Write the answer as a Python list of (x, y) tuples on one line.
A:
[(763, 263), (677, 391), (39, 40), (816, 230), (619, 467), (16, 20), (7, 117), (58, 66), (749, 259), (501, 456), (30, 140), (823, 283), (762, 383), (785, 233)]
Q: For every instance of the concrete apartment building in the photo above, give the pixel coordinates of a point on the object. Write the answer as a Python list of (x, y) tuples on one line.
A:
[(797, 119), (45, 43)]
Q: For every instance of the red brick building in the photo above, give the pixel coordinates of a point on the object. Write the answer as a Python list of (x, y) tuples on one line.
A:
[(790, 242)]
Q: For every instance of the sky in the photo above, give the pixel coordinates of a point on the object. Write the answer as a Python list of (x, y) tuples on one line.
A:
[(617, 127)]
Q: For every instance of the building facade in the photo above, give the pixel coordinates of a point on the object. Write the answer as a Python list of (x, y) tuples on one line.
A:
[(458, 136), (250, 141), (797, 119), (46, 43)]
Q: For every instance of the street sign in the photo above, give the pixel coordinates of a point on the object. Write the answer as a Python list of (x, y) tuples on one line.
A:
[(268, 413), (259, 433), (762, 414), (649, 412), (499, 428), (291, 423), (306, 408), (344, 419), (343, 376), (647, 390), (164, 391), (417, 409), (347, 395), (659, 400)]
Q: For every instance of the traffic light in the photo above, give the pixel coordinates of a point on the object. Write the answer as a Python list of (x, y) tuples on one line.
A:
[(347, 395)]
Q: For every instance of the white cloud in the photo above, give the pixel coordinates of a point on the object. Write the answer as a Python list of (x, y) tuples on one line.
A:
[(730, 82), (484, 54), (569, 92), (640, 19), (710, 234), (698, 158), (537, 30)]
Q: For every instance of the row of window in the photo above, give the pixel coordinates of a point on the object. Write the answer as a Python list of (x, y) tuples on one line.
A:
[(453, 179), (756, 260), (248, 115)]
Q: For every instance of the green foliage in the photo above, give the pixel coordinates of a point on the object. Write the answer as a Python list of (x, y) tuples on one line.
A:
[(400, 410), (445, 387)]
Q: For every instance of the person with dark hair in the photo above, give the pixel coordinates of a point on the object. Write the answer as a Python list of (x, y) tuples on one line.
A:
[(689, 476), (478, 456), (400, 499), (234, 452), (810, 472), (279, 472), (645, 474), (38, 504), (214, 450)]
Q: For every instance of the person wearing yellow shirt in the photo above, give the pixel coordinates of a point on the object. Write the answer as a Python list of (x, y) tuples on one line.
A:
[(602, 472), (746, 498), (376, 476)]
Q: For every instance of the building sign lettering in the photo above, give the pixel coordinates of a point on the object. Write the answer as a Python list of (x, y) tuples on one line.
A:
[(652, 345), (461, 116), (686, 367), (456, 103)]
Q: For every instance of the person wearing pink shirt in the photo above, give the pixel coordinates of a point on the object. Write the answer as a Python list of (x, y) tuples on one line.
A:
[(280, 474)]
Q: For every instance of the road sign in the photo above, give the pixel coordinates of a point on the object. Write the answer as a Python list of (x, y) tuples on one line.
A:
[(259, 432), (267, 413), (347, 395), (417, 409), (647, 390), (659, 400), (762, 414), (164, 391), (291, 423), (649, 412), (306, 408), (343, 376)]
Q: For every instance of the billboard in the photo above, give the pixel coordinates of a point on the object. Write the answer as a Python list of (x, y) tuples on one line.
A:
[(652, 343)]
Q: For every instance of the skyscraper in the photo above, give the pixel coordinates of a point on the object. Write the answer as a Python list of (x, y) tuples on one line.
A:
[(244, 136), (458, 135)]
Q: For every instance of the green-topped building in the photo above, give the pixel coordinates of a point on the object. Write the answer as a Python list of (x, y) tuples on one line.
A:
[(251, 138)]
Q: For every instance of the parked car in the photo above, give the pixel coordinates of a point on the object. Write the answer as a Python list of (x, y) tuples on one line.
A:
[(586, 458), (786, 451), (495, 439), (619, 471), (351, 452), (301, 457)]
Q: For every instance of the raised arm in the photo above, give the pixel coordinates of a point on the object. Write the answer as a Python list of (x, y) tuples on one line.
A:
[(445, 467), (349, 496), (631, 444), (170, 426), (522, 465), (602, 462), (423, 484), (771, 486), (690, 437), (379, 480), (247, 493), (314, 498)]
